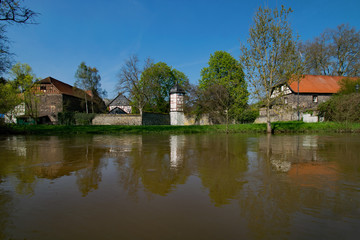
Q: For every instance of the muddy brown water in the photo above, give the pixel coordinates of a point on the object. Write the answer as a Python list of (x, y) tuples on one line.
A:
[(180, 187)]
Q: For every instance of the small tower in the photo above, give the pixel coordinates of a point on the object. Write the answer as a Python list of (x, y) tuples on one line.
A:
[(177, 105)]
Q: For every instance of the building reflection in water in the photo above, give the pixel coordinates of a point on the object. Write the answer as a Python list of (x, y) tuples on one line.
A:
[(233, 180), (177, 143)]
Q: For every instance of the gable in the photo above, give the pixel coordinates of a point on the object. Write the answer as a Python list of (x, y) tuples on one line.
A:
[(120, 100)]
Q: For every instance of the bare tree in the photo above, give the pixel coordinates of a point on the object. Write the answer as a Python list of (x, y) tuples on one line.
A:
[(317, 56), (12, 11), (130, 82), (345, 48), (335, 52), (270, 57), (216, 100)]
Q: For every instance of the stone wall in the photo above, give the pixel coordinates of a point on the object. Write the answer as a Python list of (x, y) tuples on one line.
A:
[(278, 114), (132, 119), (116, 119), (155, 119), (204, 120), (50, 105), (306, 100)]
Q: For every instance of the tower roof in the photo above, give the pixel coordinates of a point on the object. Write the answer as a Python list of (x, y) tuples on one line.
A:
[(177, 89)]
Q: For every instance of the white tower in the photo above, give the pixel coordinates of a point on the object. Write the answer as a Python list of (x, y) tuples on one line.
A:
[(177, 116)]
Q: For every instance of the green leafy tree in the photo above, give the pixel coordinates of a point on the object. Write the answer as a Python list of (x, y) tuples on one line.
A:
[(160, 78), (23, 80), (82, 76), (224, 87), (88, 79), (349, 85), (9, 98), (271, 57)]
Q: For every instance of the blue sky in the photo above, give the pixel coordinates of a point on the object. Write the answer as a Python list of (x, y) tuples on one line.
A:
[(182, 33)]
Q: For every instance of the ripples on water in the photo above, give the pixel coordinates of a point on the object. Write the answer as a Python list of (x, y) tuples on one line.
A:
[(180, 187)]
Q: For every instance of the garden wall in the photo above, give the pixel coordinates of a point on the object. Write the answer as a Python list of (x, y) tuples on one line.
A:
[(132, 119), (116, 119)]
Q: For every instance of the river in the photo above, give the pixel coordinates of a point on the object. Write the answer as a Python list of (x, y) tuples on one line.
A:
[(200, 186)]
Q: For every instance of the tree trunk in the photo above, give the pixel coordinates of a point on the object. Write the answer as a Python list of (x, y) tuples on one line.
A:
[(268, 122), (227, 121), (86, 104), (92, 104)]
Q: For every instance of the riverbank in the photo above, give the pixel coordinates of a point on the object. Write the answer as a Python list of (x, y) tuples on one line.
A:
[(279, 127)]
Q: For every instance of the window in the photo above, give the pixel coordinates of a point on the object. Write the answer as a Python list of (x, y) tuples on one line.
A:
[(43, 88), (315, 98)]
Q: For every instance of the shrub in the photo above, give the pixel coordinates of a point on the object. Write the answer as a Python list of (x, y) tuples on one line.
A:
[(341, 108), (248, 115), (84, 118), (66, 118)]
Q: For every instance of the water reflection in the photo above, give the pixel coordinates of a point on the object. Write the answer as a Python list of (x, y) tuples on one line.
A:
[(253, 187), (51, 158)]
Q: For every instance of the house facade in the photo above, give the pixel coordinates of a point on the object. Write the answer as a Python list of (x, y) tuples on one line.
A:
[(300, 99), (55, 96), (120, 105)]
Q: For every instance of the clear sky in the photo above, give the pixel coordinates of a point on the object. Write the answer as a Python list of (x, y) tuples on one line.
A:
[(182, 33)]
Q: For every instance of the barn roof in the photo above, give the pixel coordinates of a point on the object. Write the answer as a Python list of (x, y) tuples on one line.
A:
[(317, 84), (64, 88)]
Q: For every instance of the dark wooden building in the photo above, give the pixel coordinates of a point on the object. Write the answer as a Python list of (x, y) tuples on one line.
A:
[(56, 96)]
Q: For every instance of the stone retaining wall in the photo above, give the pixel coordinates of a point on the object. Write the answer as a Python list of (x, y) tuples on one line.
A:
[(132, 119), (116, 119)]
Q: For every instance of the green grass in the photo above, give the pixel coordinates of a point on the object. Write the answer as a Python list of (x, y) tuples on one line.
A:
[(279, 127)]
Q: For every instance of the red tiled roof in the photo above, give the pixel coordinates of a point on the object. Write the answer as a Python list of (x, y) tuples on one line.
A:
[(64, 88), (317, 84)]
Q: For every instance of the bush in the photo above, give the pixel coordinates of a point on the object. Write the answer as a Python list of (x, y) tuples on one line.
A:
[(248, 115), (341, 108), (75, 118), (84, 118), (66, 118)]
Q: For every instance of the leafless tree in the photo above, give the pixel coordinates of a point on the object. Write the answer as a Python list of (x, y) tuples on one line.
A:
[(129, 81), (317, 56), (335, 52), (12, 11), (345, 48)]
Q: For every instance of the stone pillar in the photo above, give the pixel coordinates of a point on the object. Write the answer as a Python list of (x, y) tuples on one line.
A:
[(177, 116)]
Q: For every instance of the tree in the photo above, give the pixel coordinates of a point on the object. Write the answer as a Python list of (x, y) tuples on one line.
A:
[(271, 57), (317, 56), (88, 79), (129, 82), (225, 89), (5, 56), (11, 11), (160, 78), (23, 80), (345, 48), (9, 98), (82, 76), (95, 86), (335, 52)]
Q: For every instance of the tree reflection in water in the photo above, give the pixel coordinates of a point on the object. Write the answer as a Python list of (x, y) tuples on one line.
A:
[(259, 187)]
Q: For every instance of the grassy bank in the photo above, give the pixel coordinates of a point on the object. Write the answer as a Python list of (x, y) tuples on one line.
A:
[(279, 127)]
